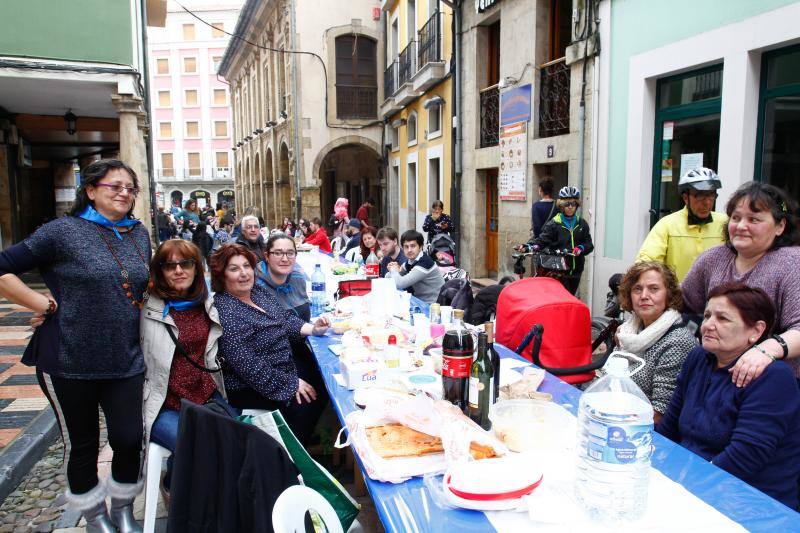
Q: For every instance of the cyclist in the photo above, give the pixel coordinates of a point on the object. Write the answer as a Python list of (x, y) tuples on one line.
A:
[(677, 239), (566, 233)]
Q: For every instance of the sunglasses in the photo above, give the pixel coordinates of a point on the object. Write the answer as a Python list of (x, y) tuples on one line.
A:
[(185, 264), (570, 204), (116, 188)]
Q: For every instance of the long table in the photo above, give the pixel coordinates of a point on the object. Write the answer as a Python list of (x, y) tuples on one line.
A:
[(408, 507)]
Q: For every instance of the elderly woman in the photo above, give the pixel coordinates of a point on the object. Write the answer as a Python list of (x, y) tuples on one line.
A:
[(260, 372), (751, 432), (656, 331), (86, 352), (761, 250), (180, 330)]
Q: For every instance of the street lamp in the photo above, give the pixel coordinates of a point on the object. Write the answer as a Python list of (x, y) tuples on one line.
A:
[(72, 122)]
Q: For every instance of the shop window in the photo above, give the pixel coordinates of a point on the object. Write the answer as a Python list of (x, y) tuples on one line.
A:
[(687, 133), (778, 142)]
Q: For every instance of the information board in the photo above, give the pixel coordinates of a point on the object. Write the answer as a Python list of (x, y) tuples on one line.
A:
[(513, 178)]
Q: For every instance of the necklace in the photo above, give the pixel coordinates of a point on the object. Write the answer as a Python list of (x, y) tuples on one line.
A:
[(126, 286)]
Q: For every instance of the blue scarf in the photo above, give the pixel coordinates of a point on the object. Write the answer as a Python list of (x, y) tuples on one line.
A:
[(569, 222), (180, 305), (91, 214)]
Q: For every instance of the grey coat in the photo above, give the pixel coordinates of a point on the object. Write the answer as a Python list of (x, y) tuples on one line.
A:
[(158, 349)]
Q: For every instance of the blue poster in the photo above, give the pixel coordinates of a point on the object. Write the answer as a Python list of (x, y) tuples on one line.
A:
[(515, 105)]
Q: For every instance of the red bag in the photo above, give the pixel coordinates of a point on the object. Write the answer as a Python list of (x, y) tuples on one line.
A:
[(354, 287), (567, 338)]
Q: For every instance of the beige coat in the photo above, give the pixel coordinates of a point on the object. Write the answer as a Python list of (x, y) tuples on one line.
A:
[(158, 349)]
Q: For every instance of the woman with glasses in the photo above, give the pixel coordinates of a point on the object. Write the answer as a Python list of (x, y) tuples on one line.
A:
[(180, 330), (567, 233), (86, 346), (258, 334)]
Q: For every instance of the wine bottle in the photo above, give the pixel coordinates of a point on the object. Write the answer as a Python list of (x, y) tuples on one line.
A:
[(481, 384), (495, 358)]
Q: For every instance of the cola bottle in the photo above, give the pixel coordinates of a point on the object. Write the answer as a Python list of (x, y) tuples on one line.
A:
[(458, 348)]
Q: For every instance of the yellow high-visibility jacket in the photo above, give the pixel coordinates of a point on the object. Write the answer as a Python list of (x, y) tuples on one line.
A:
[(677, 244)]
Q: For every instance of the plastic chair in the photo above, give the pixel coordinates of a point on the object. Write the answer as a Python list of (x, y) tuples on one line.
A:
[(289, 513), (155, 459)]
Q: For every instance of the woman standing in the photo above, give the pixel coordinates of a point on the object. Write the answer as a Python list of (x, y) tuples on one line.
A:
[(340, 218), (87, 353), (190, 212), (437, 221), (180, 330)]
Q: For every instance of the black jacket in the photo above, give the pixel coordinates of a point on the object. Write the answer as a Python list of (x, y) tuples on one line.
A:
[(556, 236), (485, 304), (226, 476)]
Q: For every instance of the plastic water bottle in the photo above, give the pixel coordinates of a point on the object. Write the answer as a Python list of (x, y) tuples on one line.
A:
[(615, 435), (318, 295)]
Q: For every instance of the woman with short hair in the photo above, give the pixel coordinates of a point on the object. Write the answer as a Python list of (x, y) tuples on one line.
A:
[(751, 432)]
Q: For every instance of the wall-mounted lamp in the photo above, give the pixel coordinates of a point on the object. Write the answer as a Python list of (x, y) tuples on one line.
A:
[(436, 101), (72, 122), (507, 82), (399, 122)]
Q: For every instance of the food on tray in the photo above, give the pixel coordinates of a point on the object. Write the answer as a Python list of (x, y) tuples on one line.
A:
[(339, 270), (395, 440), (525, 388), (481, 451), (305, 247), (525, 425)]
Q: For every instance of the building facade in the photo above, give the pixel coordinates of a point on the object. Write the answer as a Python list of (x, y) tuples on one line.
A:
[(191, 104), (305, 92), (417, 108), (717, 89), (67, 97), (527, 82)]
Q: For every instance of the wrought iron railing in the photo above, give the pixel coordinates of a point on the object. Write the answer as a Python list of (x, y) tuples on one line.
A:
[(554, 98), (490, 116), (356, 101), (407, 63), (429, 41), (390, 80)]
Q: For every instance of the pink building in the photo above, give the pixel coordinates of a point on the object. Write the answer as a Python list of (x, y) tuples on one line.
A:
[(191, 104)]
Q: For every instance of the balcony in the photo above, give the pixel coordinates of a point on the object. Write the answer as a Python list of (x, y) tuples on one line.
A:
[(554, 98), (169, 175), (390, 80), (406, 68), (429, 54), (490, 116), (356, 102)]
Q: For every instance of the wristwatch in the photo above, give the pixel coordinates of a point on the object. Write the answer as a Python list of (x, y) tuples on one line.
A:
[(784, 346), (51, 307)]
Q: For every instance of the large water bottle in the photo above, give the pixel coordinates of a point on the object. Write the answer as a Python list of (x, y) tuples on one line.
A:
[(318, 294), (615, 435)]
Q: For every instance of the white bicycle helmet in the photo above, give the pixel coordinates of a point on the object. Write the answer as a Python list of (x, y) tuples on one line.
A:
[(569, 192), (699, 179)]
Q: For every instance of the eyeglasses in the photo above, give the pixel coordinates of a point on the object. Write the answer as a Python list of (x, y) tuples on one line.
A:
[(290, 254), (704, 195), (116, 188), (570, 204), (185, 264)]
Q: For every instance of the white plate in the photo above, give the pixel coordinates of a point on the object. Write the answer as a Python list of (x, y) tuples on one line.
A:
[(495, 476), (498, 505)]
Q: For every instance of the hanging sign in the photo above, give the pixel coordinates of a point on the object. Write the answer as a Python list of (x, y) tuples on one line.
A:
[(483, 5), (515, 105), (513, 178)]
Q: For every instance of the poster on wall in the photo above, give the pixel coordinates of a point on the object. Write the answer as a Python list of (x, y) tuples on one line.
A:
[(691, 162), (512, 178), (515, 105)]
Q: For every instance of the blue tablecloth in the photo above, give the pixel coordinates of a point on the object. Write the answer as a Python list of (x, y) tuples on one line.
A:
[(408, 507)]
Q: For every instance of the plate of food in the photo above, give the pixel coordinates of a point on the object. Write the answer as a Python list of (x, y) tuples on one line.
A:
[(492, 484)]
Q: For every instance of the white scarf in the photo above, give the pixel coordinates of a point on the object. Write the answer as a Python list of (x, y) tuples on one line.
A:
[(631, 339)]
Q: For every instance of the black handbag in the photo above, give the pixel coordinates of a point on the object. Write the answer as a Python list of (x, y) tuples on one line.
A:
[(556, 263)]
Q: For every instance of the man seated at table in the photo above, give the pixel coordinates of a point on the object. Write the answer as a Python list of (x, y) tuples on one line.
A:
[(419, 275), (353, 234), (388, 240)]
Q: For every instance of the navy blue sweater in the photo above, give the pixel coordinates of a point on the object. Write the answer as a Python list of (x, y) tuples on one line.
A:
[(95, 332), (751, 432)]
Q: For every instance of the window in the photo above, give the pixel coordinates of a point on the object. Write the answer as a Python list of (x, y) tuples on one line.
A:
[(411, 129), (192, 129), (193, 162), (394, 137), (281, 82), (189, 65), (356, 77), (220, 128), (188, 32), (434, 121), (165, 130), (164, 99), (220, 97), (217, 30), (162, 65), (221, 160), (190, 98), (215, 62), (167, 165), (434, 187)]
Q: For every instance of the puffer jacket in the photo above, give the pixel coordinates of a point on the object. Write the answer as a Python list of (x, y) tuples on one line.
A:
[(158, 349), (556, 235)]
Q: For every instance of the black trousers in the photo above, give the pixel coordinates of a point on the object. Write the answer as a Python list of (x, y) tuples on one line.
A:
[(302, 418), (75, 403), (571, 283)]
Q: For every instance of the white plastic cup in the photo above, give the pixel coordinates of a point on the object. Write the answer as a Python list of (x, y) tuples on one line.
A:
[(447, 314)]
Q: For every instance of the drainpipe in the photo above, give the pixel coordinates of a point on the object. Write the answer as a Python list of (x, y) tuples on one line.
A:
[(298, 149), (146, 101), (455, 181), (582, 107)]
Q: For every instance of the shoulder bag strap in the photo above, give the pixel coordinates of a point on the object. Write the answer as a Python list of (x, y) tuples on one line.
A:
[(182, 351)]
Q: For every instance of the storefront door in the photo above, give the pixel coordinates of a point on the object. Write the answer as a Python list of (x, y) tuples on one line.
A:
[(491, 221), (687, 133)]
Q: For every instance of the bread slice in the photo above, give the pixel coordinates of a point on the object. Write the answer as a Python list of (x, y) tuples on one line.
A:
[(396, 440)]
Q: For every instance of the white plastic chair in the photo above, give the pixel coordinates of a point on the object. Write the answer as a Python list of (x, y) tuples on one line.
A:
[(288, 515), (155, 459)]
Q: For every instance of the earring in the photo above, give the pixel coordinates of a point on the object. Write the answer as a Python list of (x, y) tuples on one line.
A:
[(752, 339)]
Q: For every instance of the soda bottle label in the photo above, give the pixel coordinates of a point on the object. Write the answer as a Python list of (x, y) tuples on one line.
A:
[(619, 444), (372, 271), (456, 367), (317, 286)]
